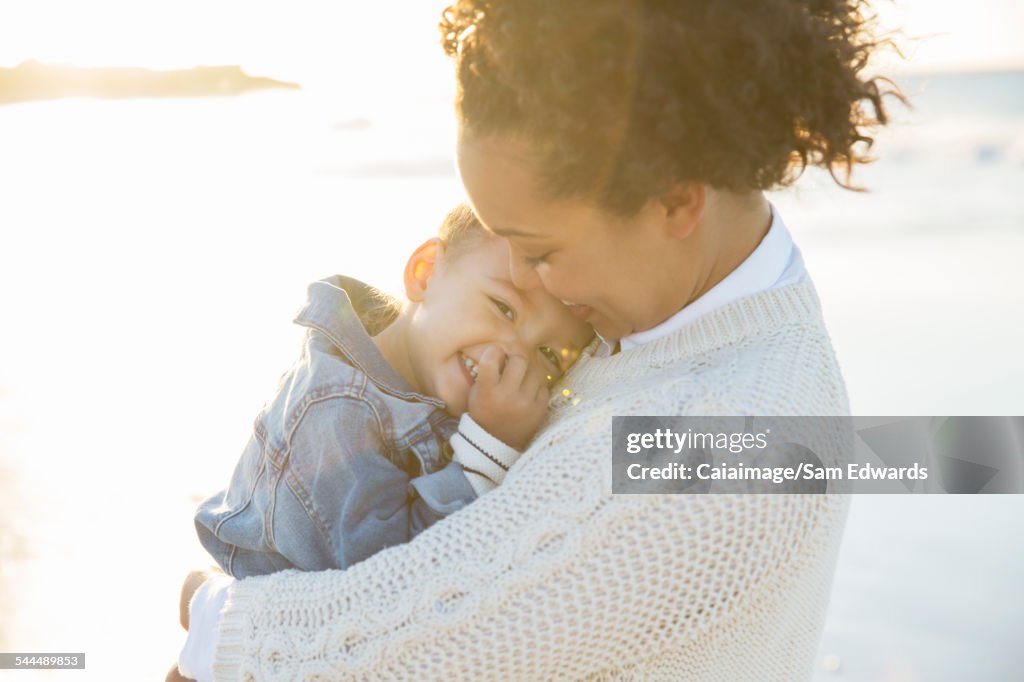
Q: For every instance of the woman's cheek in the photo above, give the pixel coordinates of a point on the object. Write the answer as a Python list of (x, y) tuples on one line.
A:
[(550, 283), (560, 283)]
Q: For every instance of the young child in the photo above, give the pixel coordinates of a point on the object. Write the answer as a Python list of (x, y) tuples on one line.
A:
[(360, 449)]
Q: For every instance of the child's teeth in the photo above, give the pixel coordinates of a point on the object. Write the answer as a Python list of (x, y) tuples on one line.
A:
[(469, 365)]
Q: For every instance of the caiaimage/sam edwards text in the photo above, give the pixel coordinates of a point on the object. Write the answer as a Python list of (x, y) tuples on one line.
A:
[(803, 472)]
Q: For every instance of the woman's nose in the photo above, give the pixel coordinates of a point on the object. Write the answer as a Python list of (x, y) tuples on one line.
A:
[(523, 274)]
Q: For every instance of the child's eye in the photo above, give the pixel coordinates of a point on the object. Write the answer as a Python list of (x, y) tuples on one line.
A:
[(505, 309), (551, 356)]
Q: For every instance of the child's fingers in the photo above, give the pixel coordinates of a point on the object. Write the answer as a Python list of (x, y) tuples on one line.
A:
[(514, 373), (542, 394), (488, 370), (530, 383), (535, 387)]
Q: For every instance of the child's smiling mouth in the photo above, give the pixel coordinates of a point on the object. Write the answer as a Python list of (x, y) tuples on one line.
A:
[(469, 366)]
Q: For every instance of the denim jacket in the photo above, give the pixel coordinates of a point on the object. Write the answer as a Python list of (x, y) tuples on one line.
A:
[(347, 459)]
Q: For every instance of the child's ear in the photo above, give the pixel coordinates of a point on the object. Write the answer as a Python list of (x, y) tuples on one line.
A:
[(421, 266)]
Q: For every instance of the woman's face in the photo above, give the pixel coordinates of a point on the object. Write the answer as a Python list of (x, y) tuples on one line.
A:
[(622, 275)]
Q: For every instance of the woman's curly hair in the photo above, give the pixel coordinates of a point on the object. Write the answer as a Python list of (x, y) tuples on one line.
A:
[(621, 98)]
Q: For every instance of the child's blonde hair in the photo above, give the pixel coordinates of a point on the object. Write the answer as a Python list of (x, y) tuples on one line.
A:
[(461, 231)]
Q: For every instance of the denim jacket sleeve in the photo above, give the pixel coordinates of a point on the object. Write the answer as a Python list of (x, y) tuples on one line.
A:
[(334, 498), (340, 484)]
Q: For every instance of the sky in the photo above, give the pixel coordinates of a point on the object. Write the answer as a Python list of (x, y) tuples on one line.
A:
[(952, 35), (307, 40)]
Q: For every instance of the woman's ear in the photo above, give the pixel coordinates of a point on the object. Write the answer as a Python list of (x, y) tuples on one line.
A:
[(420, 267), (683, 206)]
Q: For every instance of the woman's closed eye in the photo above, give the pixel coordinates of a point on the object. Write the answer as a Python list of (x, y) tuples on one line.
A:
[(504, 308), (536, 261)]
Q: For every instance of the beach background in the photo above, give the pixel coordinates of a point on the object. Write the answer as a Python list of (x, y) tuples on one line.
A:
[(155, 252)]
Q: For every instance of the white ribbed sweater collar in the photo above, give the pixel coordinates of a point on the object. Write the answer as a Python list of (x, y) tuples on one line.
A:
[(734, 324)]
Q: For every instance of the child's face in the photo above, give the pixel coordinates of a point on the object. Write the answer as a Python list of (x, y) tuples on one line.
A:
[(469, 304)]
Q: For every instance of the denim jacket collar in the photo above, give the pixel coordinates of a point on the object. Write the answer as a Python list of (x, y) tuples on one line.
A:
[(337, 307)]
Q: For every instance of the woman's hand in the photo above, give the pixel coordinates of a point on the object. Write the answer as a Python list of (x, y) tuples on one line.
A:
[(192, 582)]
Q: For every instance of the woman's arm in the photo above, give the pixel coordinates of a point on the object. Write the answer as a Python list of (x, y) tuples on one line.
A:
[(550, 576)]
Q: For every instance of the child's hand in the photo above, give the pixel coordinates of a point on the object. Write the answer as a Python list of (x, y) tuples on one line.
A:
[(506, 400)]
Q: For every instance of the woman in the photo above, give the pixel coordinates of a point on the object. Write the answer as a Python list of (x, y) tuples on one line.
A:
[(622, 149)]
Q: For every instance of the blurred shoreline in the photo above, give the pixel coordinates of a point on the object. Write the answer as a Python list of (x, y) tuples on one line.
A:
[(32, 81)]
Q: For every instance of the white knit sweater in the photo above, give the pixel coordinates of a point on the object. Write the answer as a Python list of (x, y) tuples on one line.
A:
[(550, 576)]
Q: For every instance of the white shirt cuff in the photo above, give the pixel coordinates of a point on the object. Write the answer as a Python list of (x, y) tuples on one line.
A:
[(196, 659), (484, 458)]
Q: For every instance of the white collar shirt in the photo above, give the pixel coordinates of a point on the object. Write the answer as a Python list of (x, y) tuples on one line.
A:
[(776, 262)]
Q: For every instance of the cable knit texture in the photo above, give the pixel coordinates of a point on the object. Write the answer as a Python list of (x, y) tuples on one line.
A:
[(551, 577)]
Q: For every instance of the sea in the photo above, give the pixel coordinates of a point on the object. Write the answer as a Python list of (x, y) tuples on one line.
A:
[(155, 252)]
